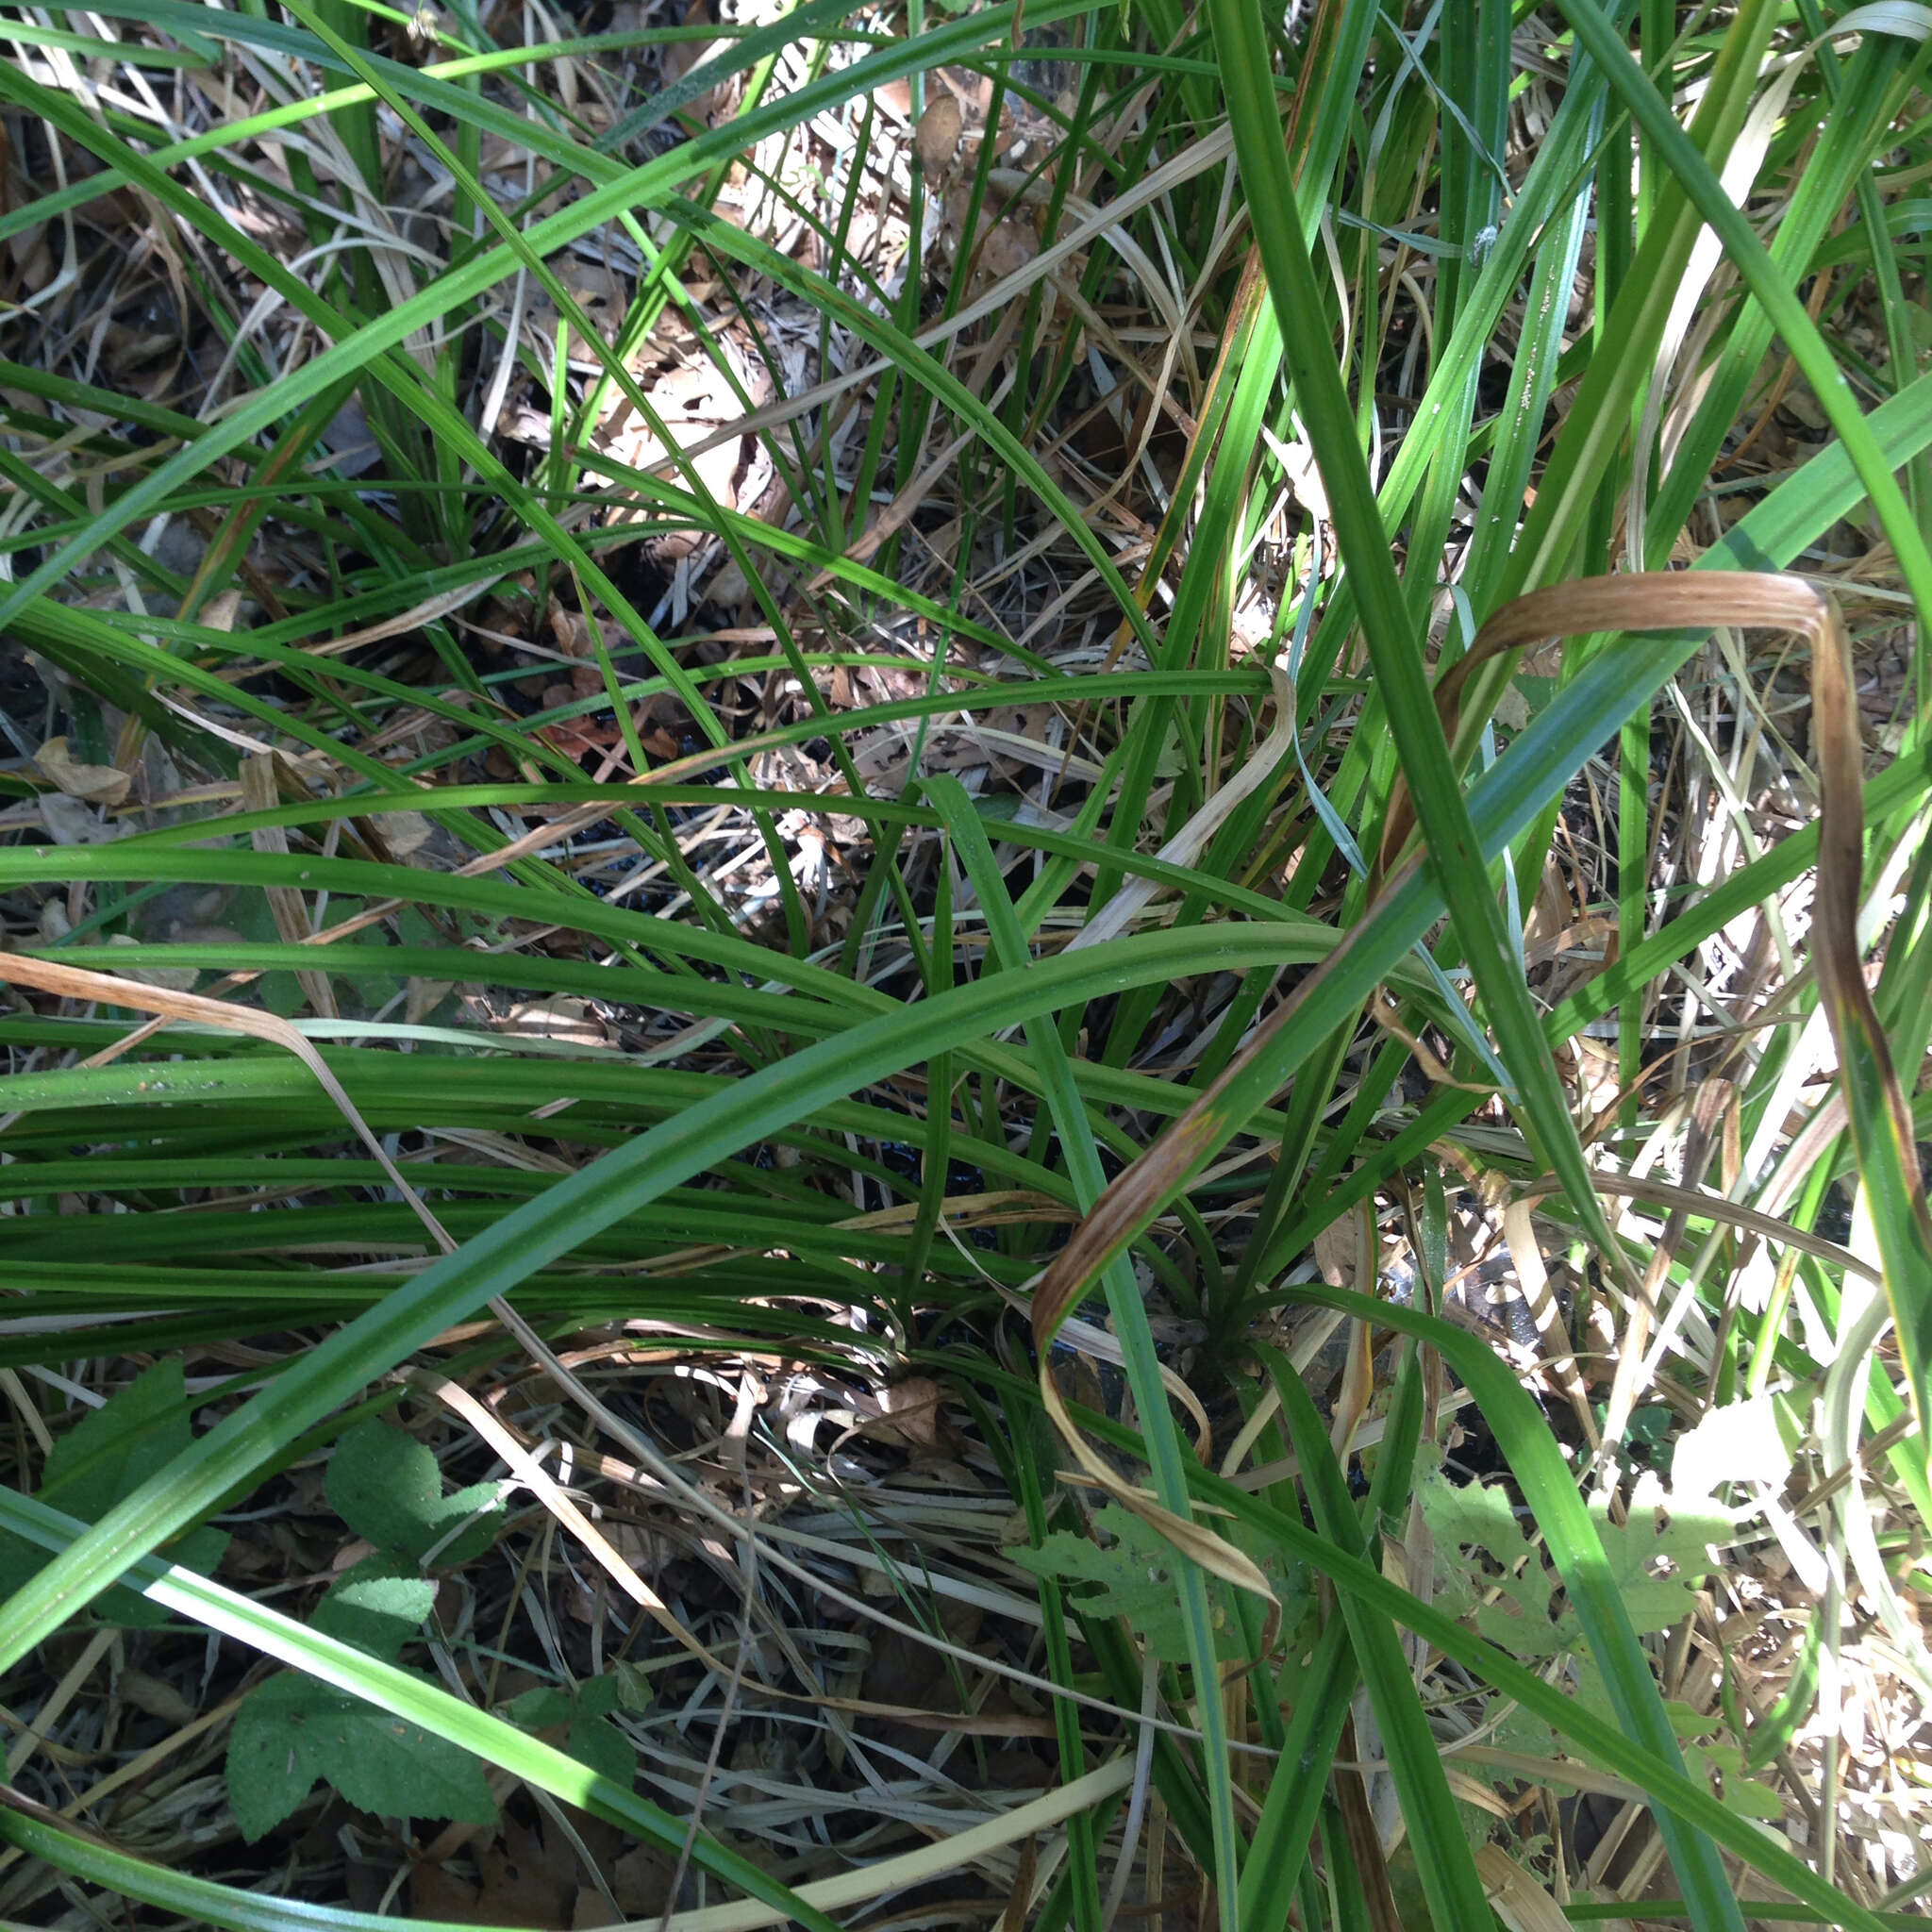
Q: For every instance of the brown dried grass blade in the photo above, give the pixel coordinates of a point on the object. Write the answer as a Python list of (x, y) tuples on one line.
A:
[(1883, 1138), (1634, 601), (1155, 1174)]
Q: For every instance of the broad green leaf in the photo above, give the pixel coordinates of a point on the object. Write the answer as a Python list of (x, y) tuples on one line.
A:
[(378, 1606), (293, 1733), (583, 1714), (104, 1457), (385, 1485), (594, 1740), (375, 1760)]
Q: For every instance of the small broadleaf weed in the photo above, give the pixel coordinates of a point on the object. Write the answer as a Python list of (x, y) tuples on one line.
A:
[(1136, 1572), (104, 1457), (1493, 1576), (293, 1730)]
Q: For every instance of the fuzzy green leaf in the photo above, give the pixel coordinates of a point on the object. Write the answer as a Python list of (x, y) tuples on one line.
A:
[(376, 1606), (385, 1485), (293, 1731), (102, 1459), (590, 1739)]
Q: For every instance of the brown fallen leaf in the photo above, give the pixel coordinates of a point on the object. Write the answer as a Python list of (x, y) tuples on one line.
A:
[(937, 136), (97, 784), (1516, 1898)]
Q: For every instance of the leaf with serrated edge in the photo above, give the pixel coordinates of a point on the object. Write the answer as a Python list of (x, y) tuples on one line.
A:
[(385, 1485), (291, 1731), (1135, 1570), (376, 1607)]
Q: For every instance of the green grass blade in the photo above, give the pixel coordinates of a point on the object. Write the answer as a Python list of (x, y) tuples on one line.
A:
[(1126, 1306), (1549, 1487), (1449, 1878), (1679, 157), (196, 1901), (1278, 1849), (1455, 853)]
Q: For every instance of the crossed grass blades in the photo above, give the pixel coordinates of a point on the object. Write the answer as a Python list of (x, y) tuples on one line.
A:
[(837, 782)]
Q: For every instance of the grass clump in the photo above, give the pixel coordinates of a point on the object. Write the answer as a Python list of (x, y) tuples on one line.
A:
[(965, 965)]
